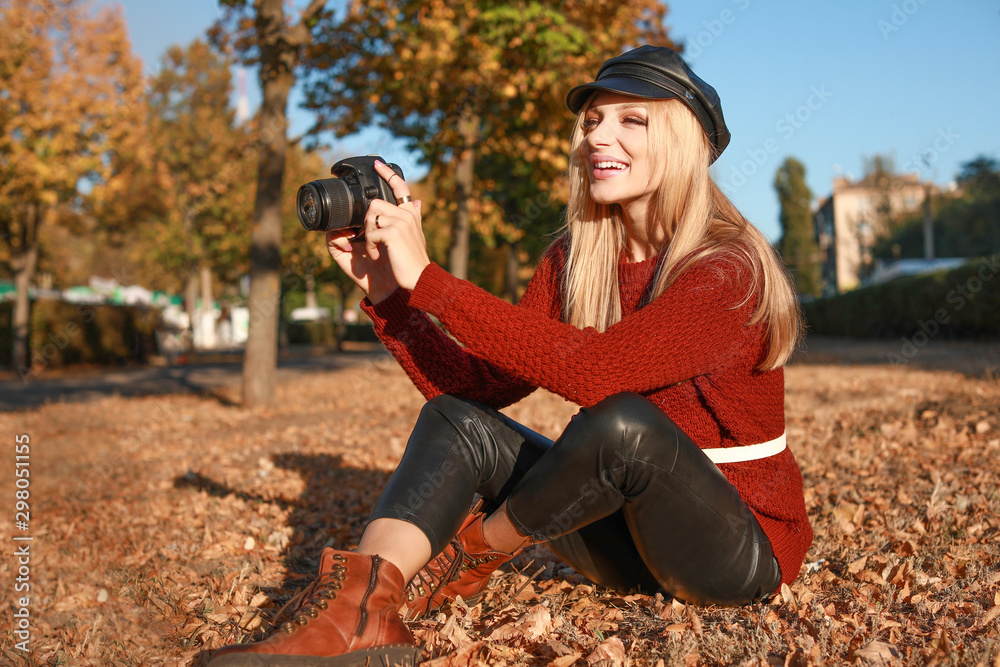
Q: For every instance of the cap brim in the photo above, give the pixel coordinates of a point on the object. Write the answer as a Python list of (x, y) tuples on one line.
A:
[(577, 97)]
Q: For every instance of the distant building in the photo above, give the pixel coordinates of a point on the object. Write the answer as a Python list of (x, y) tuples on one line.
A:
[(850, 220)]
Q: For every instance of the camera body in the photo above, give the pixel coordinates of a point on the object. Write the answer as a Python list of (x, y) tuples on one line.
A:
[(340, 204)]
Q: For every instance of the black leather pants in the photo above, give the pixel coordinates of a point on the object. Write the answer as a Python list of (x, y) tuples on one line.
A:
[(623, 496)]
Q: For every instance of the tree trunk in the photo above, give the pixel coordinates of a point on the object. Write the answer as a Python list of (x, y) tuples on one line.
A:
[(458, 255), (191, 288), (928, 225), (207, 323), (24, 271), (191, 299), (310, 291), (277, 75), (511, 268), (23, 266)]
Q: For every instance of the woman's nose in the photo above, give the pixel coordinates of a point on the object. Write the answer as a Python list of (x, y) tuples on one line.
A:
[(600, 135)]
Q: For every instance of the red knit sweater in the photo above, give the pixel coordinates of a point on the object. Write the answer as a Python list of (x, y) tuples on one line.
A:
[(690, 351)]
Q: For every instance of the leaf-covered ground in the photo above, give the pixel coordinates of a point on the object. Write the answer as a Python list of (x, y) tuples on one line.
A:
[(165, 527)]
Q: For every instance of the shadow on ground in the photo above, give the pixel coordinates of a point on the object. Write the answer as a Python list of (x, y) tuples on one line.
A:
[(204, 379), (331, 511)]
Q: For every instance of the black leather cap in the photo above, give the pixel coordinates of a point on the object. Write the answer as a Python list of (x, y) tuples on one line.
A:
[(656, 72)]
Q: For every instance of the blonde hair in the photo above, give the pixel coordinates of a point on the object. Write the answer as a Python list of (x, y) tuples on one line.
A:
[(696, 221)]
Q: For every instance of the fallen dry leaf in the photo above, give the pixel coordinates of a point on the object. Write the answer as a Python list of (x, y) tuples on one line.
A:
[(566, 660), (609, 653), (878, 652), (559, 648), (695, 621), (536, 623), (463, 657), (453, 632)]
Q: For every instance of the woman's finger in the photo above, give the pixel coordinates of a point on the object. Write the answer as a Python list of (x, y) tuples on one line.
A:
[(338, 240), (399, 187), (373, 236), (377, 218), (382, 215)]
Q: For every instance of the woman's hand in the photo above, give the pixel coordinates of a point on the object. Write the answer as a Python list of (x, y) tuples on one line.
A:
[(395, 251), (373, 277), (395, 231)]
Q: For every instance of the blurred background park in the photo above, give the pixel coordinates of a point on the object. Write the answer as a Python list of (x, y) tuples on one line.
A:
[(150, 154), (150, 257)]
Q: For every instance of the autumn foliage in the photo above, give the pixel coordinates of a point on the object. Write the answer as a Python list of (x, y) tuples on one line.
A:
[(478, 89), (70, 93)]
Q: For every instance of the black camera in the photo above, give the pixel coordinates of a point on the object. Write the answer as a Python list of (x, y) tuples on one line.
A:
[(341, 203)]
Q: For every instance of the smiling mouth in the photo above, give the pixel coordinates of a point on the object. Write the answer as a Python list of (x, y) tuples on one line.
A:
[(608, 164), (605, 169)]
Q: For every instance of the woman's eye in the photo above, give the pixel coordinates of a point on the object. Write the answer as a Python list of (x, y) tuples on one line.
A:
[(588, 123), (635, 120)]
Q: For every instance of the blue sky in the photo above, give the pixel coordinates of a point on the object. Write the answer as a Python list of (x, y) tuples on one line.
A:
[(826, 82)]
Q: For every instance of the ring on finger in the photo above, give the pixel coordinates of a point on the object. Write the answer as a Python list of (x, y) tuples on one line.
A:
[(403, 200), (376, 222)]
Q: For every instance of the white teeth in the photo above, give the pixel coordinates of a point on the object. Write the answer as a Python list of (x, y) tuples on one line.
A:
[(609, 165)]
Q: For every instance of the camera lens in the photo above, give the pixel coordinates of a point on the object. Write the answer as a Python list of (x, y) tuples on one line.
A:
[(324, 205), (307, 208)]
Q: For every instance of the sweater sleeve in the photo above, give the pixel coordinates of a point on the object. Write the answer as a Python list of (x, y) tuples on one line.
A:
[(696, 327), (437, 364)]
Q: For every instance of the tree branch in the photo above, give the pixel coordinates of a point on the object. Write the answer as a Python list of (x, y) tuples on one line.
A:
[(311, 11), (299, 33)]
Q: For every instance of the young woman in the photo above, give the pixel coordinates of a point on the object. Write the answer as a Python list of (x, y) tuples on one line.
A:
[(660, 310)]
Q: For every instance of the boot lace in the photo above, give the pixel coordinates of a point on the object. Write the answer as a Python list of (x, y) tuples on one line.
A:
[(446, 568), (441, 571), (307, 603)]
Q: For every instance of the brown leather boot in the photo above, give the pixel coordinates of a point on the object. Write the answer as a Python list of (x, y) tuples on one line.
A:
[(348, 616), (463, 568)]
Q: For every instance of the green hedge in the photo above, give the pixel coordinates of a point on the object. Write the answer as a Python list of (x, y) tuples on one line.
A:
[(960, 303), (312, 333), (325, 333), (66, 333), (6, 332)]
